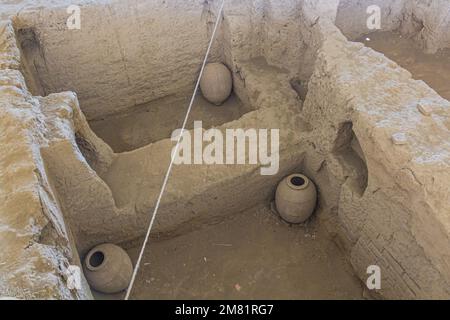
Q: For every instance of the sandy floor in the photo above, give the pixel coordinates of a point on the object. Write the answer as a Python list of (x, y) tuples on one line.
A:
[(158, 119), (433, 69), (253, 255)]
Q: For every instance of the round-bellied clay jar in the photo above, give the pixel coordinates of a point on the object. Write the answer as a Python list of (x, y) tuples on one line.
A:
[(108, 268), (216, 83), (296, 198)]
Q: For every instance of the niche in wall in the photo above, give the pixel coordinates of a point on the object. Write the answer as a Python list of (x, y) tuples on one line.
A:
[(33, 60), (349, 153)]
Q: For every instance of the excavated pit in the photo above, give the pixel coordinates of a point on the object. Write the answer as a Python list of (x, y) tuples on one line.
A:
[(156, 120), (106, 103)]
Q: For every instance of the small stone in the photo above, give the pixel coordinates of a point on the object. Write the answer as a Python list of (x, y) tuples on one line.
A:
[(399, 138), (425, 109)]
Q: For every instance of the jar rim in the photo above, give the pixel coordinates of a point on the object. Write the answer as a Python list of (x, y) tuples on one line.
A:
[(89, 257), (297, 181)]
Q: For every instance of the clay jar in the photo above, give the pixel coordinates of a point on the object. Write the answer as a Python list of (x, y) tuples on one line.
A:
[(296, 198), (108, 268), (216, 83)]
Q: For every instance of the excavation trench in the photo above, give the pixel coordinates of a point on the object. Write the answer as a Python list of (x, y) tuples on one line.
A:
[(217, 234)]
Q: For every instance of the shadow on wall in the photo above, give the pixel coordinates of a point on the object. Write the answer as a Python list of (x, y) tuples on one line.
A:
[(348, 151), (33, 62)]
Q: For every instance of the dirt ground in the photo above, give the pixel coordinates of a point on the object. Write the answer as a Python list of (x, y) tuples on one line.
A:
[(157, 120), (253, 255), (431, 68)]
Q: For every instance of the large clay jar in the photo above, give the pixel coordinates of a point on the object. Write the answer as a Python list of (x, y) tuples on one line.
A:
[(216, 83), (108, 268), (296, 198)]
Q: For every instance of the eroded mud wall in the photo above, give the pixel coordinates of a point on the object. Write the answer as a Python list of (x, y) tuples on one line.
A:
[(36, 244), (427, 22), (390, 200), (352, 16), (125, 54)]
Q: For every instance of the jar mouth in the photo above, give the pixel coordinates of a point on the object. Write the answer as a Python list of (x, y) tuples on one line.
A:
[(95, 260), (298, 182)]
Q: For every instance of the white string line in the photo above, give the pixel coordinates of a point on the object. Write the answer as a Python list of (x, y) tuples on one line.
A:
[(183, 129)]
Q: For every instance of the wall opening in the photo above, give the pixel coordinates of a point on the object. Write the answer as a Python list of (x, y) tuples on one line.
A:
[(351, 156)]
